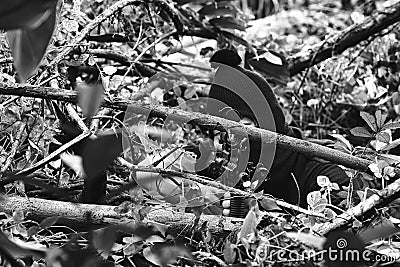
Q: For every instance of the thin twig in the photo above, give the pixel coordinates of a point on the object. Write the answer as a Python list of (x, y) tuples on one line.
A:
[(54, 154), (206, 181), (18, 138), (161, 38)]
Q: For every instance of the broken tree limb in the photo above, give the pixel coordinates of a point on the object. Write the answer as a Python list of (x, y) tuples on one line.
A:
[(205, 121), (77, 215), (370, 203), (341, 41)]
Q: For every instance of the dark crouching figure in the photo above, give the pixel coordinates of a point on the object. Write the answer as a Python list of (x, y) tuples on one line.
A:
[(291, 175)]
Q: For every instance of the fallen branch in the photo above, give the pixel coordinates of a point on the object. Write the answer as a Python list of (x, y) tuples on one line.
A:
[(378, 199), (77, 215), (54, 154), (202, 120), (341, 41)]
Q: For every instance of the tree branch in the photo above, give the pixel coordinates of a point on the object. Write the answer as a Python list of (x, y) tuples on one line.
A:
[(349, 37), (202, 120), (378, 199), (77, 215)]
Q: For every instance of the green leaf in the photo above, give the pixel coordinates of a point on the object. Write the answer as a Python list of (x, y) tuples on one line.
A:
[(269, 204), (380, 118), (383, 137), (228, 22), (313, 198), (361, 132), (104, 239), (218, 9), (249, 225), (33, 230), (18, 215), (370, 120), (389, 158), (320, 205), (343, 140), (163, 254), (341, 147), (391, 145), (391, 125), (229, 252), (49, 221), (21, 249), (272, 64), (190, 92), (260, 174), (271, 58)]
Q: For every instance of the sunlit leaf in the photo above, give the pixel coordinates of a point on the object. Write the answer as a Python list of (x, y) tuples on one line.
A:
[(384, 137), (380, 118), (19, 248), (274, 59), (269, 204), (163, 254), (361, 132), (70, 25), (389, 158), (249, 225), (323, 180), (370, 120), (18, 215), (343, 140), (229, 252), (392, 125), (33, 230), (272, 64), (49, 221), (228, 22), (190, 92), (391, 145), (104, 239), (218, 9), (110, 70), (320, 205), (74, 162)]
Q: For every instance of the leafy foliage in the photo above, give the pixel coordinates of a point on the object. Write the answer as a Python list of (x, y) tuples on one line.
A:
[(144, 52)]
